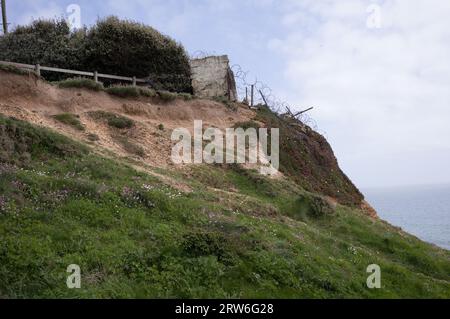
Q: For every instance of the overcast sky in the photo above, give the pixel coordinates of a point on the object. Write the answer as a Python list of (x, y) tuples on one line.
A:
[(378, 72)]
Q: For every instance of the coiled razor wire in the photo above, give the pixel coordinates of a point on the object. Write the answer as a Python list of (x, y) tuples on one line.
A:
[(197, 55), (243, 85)]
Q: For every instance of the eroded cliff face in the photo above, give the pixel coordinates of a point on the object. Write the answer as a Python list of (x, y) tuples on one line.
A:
[(212, 77), (307, 158)]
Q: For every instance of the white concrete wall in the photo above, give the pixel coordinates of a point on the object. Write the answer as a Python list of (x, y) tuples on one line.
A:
[(212, 77)]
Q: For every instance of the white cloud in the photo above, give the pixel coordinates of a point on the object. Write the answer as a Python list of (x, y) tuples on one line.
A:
[(382, 95), (35, 10)]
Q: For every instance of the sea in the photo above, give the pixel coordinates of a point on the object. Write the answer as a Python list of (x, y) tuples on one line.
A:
[(423, 211)]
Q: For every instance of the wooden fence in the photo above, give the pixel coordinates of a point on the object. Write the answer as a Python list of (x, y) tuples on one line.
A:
[(38, 68)]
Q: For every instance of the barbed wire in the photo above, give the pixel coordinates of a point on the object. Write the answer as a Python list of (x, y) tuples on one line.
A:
[(199, 54), (244, 82)]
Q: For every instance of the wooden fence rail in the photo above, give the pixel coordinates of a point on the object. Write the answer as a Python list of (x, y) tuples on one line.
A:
[(38, 68)]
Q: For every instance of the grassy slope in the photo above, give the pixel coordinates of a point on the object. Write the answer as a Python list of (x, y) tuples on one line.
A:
[(134, 236)]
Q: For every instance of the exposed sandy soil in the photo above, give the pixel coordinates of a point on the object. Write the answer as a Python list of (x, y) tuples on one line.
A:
[(36, 101)]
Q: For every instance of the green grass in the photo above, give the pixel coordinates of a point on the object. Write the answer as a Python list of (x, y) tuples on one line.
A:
[(136, 237), (113, 120), (13, 69), (70, 119), (186, 96), (146, 92), (123, 91), (131, 91), (81, 83), (308, 159), (167, 96)]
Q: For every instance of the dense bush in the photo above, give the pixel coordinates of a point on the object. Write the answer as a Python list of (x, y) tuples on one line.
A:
[(132, 49), (112, 46), (48, 43)]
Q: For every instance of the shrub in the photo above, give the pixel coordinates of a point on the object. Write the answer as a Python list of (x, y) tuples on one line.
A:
[(112, 46), (161, 127), (128, 48), (123, 91), (120, 122), (93, 137), (197, 244), (45, 42), (81, 83), (312, 206), (130, 91), (146, 92), (167, 96), (69, 119), (113, 120)]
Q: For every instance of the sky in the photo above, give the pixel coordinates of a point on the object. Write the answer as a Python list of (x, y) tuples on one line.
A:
[(377, 72)]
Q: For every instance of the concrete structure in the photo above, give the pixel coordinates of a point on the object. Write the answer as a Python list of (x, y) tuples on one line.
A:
[(213, 77)]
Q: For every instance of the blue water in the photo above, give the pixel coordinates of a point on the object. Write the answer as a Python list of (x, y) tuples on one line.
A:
[(421, 211)]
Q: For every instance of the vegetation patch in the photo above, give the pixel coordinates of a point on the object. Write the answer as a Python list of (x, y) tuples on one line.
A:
[(135, 237), (113, 120), (70, 119), (123, 91), (167, 96), (128, 91), (308, 159), (21, 143), (147, 92), (81, 83), (111, 46), (93, 137), (13, 69), (309, 206)]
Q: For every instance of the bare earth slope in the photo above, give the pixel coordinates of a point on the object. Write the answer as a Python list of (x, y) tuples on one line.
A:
[(306, 156)]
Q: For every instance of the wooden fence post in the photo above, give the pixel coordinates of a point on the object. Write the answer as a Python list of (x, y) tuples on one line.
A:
[(96, 76), (37, 69), (264, 98), (4, 18), (134, 81), (252, 97)]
